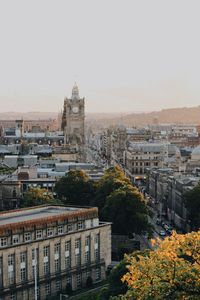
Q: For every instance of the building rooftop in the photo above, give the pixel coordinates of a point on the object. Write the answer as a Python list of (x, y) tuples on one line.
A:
[(43, 215)]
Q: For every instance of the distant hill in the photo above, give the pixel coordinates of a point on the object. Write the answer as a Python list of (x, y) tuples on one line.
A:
[(183, 115), (35, 115), (187, 115)]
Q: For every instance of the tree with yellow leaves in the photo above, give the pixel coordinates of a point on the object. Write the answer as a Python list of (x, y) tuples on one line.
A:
[(171, 271)]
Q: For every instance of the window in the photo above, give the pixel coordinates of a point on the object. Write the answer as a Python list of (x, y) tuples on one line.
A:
[(57, 257), (23, 266), (27, 236), (68, 280), (47, 289), (77, 243), (57, 248), (15, 239), (11, 270), (60, 229), (98, 274), (87, 249), (13, 296), (67, 262), (67, 254), (49, 231), (33, 253), (80, 225), (67, 245), (3, 242), (22, 257), (10, 259), (24, 295), (46, 251), (96, 254), (87, 241), (46, 267), (58, 285), (97, 239), (23, 274), (78, 259), (96, 247), (70, 227), (57, 264), (78, 280), (87, 257), (77, 251), (38, 234)]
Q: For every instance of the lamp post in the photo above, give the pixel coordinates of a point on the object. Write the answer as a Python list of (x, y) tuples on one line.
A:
[(35, 273)]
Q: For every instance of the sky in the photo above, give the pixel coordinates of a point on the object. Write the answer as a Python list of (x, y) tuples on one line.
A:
[(125, 55)]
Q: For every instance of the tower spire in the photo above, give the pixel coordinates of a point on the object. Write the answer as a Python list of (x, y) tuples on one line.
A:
[(75, 92)]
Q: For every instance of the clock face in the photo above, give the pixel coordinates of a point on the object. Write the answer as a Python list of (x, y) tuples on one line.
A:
[(75, 109)]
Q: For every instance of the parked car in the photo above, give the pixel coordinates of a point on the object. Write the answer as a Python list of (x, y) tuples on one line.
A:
[(163, 224), (158, 221), (169, 231), (166, 227), (162, 233)]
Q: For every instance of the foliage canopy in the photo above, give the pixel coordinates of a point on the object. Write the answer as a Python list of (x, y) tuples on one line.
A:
[(75, 188), (172, 271), (37, 196)]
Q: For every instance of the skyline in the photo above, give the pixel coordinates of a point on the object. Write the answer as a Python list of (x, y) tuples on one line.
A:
[(126, 56)]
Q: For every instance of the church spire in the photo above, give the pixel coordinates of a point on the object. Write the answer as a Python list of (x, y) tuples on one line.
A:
[(75, 92)]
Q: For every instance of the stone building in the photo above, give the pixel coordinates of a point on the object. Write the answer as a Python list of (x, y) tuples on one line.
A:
[(176, 210), (10, 193), (73, 121), (47, 248), (140, 156)]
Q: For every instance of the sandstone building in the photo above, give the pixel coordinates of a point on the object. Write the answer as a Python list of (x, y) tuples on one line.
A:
[(47, 248)]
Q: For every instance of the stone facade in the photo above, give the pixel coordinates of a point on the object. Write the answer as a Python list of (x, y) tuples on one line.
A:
[(66, 248), (73, 121)]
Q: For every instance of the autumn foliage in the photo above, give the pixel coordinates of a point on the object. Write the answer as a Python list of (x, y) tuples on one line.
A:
[(171, 271)]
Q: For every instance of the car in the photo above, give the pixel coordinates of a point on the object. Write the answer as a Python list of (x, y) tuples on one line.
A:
[(162, 233), (158, 221), (163, 224), (166, 227), (169, 231)]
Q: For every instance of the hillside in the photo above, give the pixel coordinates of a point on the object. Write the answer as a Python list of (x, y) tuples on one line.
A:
[(190, 115)]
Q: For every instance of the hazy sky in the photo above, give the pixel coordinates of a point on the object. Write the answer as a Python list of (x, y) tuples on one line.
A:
[(125, 55)]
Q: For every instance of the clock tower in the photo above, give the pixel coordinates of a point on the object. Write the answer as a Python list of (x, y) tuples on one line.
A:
[(73, 120)]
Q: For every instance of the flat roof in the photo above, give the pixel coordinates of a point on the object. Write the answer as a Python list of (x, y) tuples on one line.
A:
[(43, 215)]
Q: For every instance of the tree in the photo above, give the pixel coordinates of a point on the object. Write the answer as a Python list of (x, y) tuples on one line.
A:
[(37, 196), (127, 210), (172, 271), (116, 286), (113, 179), (192, 203), (75, 188)]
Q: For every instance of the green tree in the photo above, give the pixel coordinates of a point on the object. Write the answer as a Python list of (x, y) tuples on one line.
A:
[(37, 196), (192, 203), (75, 188), (116, 286), (113, 179), (127, 210)]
